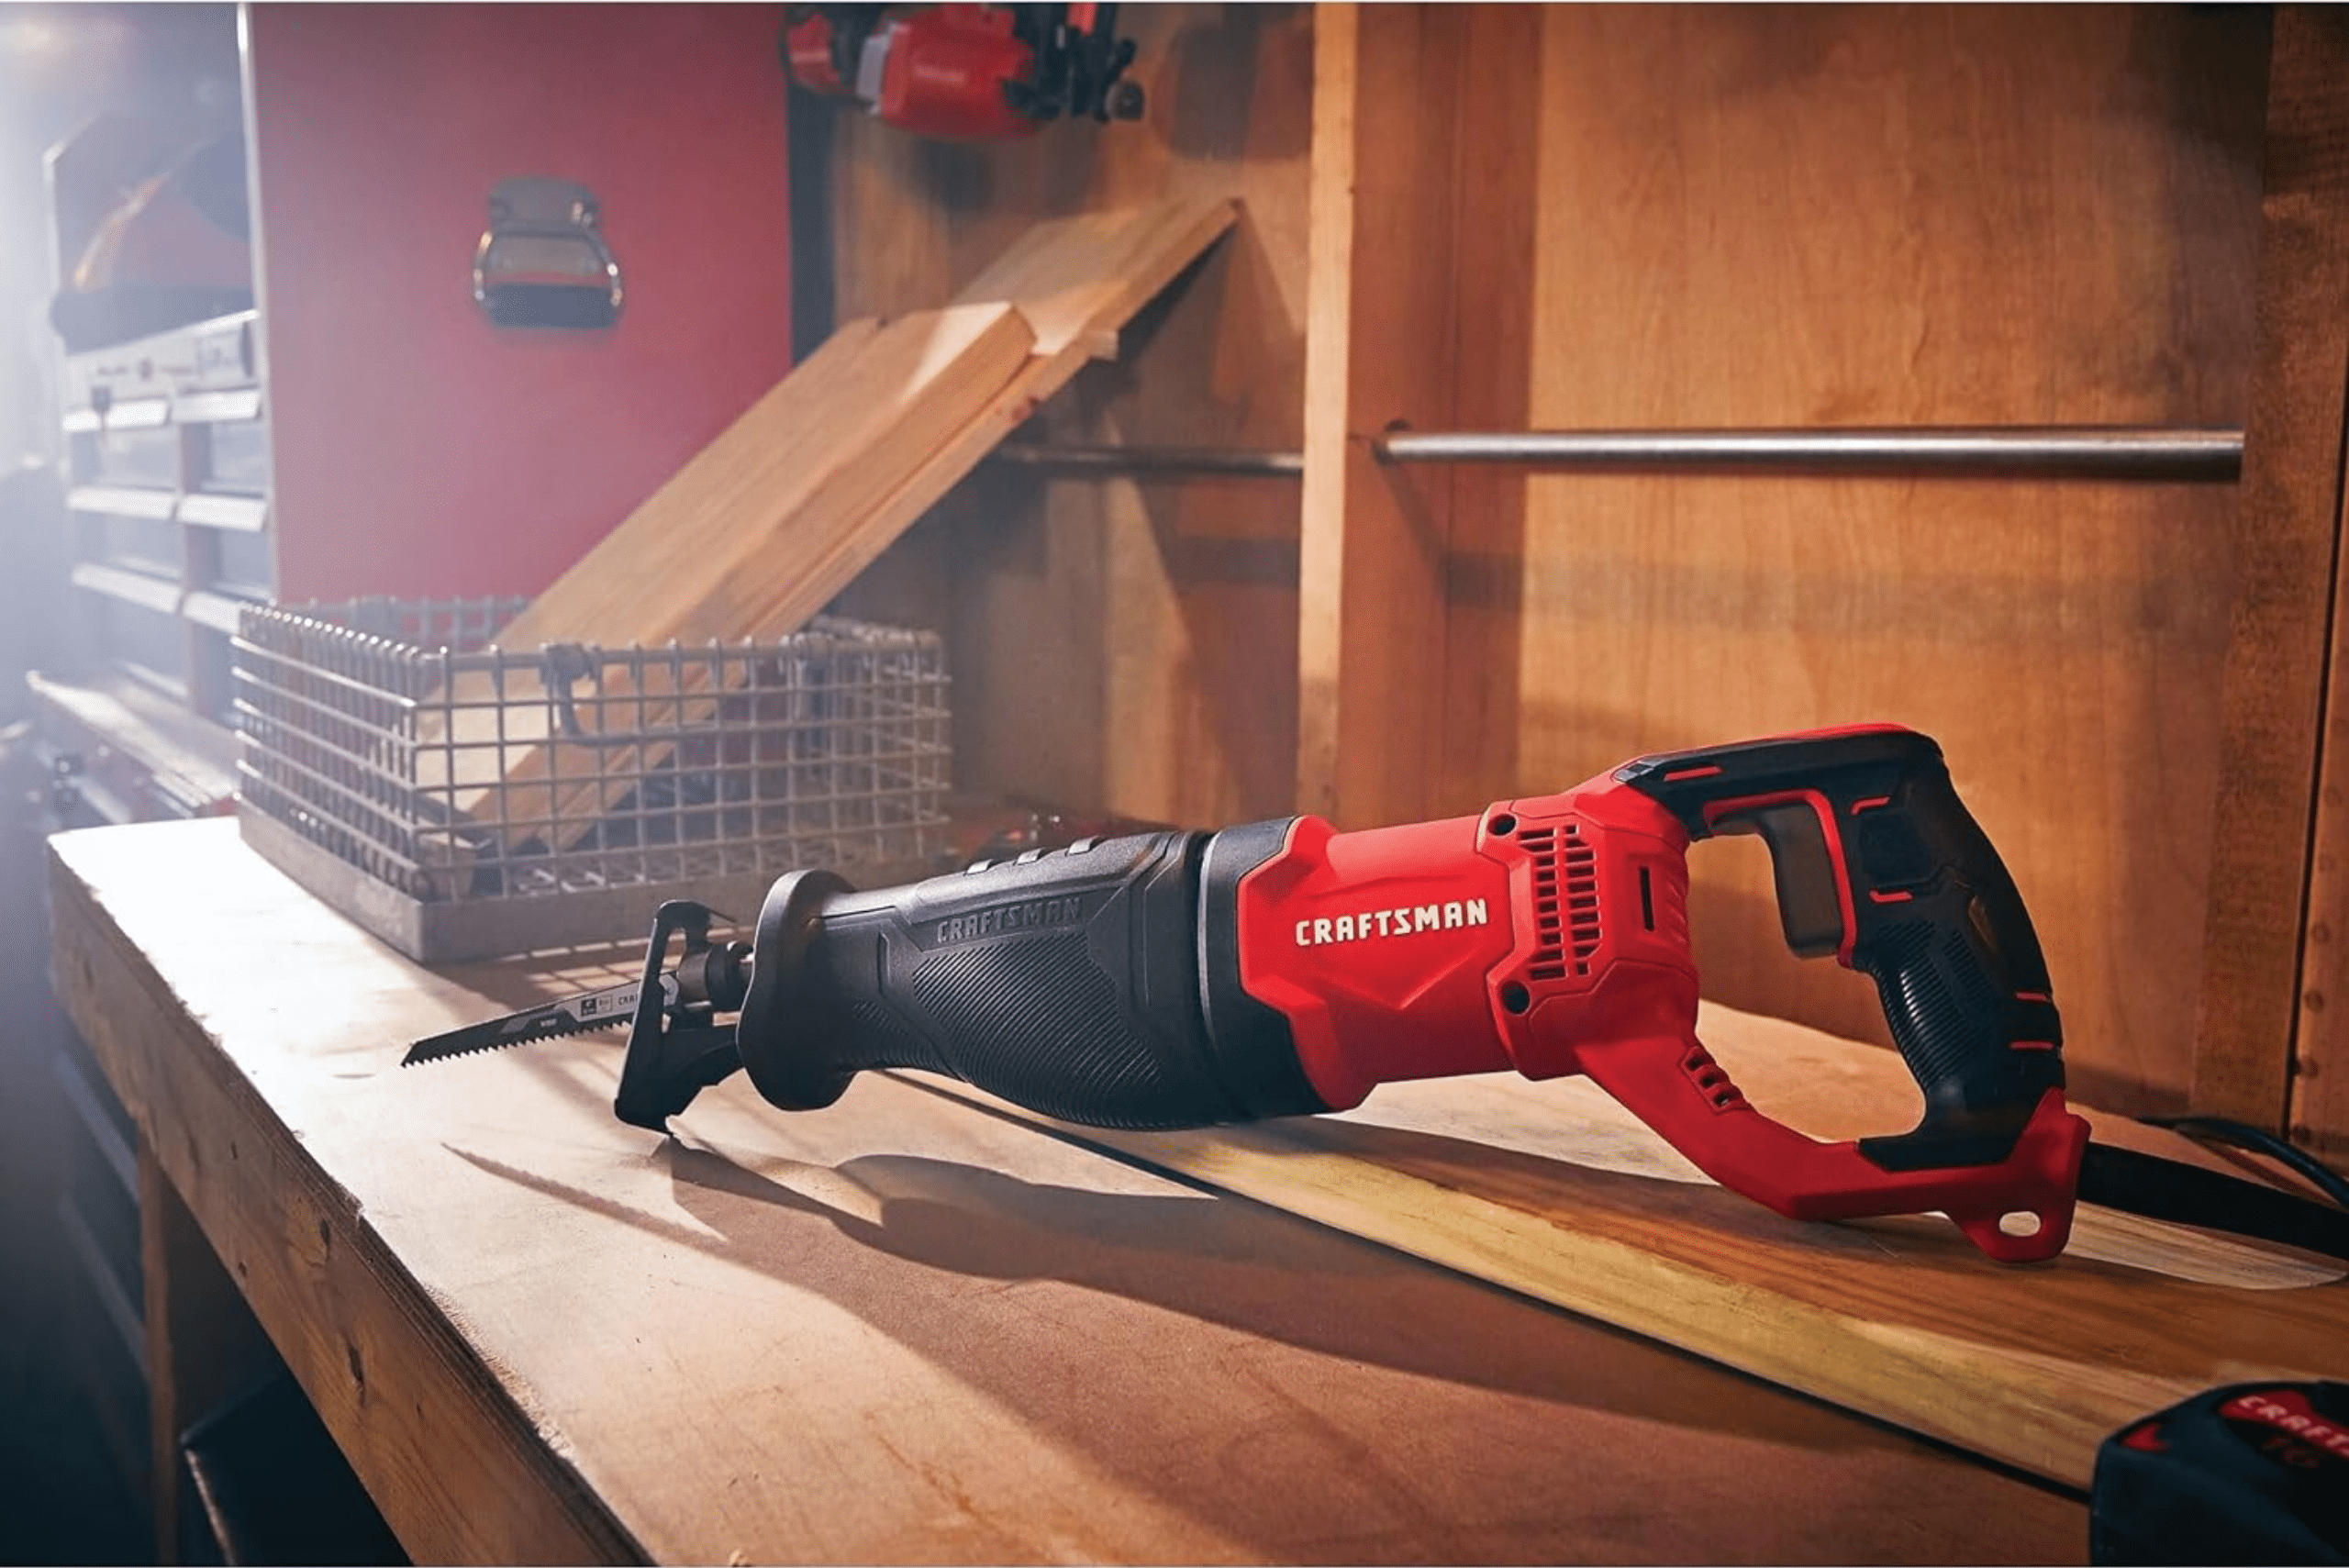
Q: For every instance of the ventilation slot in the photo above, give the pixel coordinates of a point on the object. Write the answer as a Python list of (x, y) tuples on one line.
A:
[(1581, 898), (1565, 902), (1549, 961), (1710, 1080)]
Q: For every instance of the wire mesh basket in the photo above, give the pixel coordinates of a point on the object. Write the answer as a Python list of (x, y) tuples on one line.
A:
[(463, 800)]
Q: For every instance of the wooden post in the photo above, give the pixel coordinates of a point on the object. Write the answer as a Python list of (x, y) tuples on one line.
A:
[(1362, 709), (1420, 288), (2277, 895)]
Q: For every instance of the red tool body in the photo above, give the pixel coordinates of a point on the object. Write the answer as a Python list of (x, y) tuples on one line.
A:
[(1550, 935)]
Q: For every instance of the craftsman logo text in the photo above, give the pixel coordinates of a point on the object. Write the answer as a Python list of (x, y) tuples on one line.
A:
[(2290, 1411), (1451, 916), (1005, 918)]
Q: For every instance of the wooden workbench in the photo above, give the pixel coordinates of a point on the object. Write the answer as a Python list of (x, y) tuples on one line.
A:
[(904, 1329)]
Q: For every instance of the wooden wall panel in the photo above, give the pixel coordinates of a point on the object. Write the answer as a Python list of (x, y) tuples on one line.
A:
[(1117, 644), (2270, 1048), (1891, 215)]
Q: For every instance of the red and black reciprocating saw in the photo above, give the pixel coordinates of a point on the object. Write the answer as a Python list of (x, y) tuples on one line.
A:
[(1181, 979)]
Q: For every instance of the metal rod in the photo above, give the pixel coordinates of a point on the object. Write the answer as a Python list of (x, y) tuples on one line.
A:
[(1235, 463), (2046, 452), (2043, 451)]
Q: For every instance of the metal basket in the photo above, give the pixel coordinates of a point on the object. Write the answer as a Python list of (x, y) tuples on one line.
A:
[(383, 746)]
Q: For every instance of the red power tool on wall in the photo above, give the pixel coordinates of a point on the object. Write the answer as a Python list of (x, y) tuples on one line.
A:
[(965, 71), (1181, 979)]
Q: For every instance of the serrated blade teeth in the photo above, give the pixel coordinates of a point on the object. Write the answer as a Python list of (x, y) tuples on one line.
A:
[(474, 1038), (609, 1008)]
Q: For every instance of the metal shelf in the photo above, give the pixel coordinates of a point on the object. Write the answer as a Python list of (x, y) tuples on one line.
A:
[(160, 595), (246, 513), (134, 413), (124, 501)]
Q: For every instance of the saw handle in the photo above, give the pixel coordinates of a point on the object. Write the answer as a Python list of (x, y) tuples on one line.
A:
[(1067, 981), (1877, 861)]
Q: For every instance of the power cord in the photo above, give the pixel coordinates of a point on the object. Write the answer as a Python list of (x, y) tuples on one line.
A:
[(2243, 1135)]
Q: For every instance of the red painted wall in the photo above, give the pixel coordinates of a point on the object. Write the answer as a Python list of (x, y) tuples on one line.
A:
[(420, 450)]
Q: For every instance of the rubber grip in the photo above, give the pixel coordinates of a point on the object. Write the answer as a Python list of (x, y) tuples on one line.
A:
[(1066, 982), (1958, 969)]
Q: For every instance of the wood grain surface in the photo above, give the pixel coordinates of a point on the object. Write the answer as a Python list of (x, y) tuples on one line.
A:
[(1367, 566), (1390, 225), (1833, 217), (2270, 1050), (1555, 1190), (1656, 215), (1424, 266), (903, 1329)]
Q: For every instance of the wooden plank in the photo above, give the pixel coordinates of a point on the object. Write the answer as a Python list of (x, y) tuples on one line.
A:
[(897, 1331), (1323, 529), (1553, 1190), (1843, 216), (738, 545), (1371, 545), (1496, 228), (2271, 1039), (1079, 278), (1073, 280), (1423, 256)]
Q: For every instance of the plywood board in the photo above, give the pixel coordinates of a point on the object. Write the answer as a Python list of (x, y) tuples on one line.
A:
[(2271, 1048), (1734, 214), (897, 1331), (1855, 216), (1553, 1190)]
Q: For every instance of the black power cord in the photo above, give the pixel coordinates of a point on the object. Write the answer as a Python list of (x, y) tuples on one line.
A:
[(2243, 1135)]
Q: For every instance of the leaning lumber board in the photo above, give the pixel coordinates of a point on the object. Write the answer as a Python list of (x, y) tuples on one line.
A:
[(816, 449), (1553, 1190), (1075, 282)]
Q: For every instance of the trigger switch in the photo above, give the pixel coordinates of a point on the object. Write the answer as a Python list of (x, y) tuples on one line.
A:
[(1811, 912)]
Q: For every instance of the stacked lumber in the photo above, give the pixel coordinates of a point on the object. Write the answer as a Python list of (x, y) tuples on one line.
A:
[(783, 511)]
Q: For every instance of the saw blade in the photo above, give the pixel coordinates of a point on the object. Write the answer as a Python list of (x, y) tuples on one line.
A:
[(611, 1007)]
